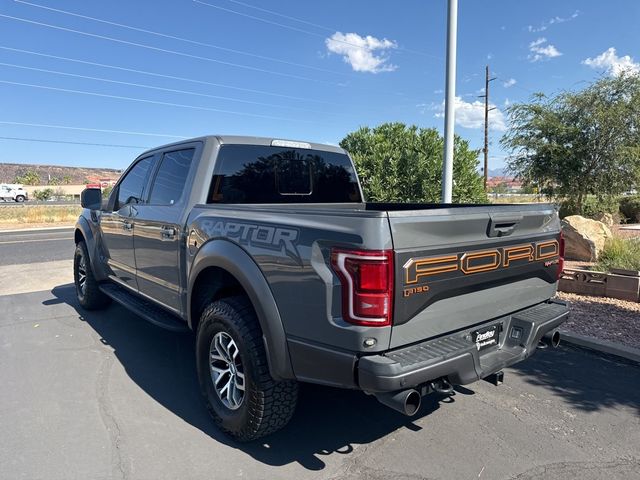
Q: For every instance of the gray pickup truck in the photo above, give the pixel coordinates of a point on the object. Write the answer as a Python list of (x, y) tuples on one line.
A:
[(268, 252)]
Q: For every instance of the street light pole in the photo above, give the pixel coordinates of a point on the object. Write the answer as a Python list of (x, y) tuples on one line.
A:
[(450, 98)]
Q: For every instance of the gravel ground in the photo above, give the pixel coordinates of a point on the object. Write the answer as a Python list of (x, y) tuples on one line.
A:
[(604, 318)]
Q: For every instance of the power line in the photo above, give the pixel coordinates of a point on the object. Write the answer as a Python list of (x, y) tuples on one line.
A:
[(295, 29), (86, 129), (164, 89), (183, 39), (288, 17), (173, 52), (154, 102), (161, 75), (42, 140)]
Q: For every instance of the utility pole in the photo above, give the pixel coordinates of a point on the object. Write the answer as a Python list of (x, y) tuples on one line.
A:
[(486, 123), (450, 98)]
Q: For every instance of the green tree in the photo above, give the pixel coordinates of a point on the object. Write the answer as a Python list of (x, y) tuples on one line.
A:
[(29, 177), (66, 179), (400, 163), (580, 143)]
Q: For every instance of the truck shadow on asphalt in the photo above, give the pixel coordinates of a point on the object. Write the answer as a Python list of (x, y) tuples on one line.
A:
[(586, 380), (327, 421)]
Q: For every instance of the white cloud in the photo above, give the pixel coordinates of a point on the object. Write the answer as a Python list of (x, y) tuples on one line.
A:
[(364, 54), (471, 115), (552, 21), (612, 63), (541, 50), (510, 83)]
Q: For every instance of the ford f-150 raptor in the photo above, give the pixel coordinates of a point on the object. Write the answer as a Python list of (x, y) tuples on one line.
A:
[(268, 252)]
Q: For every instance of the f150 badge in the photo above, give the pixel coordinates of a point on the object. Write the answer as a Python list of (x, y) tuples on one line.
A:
[(418, 270)]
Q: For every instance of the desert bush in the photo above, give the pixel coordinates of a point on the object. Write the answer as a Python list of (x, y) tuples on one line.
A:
[(620, 253), (43, 195), (593, 207)]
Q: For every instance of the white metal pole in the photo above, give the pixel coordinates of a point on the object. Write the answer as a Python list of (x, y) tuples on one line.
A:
[(450, 98)]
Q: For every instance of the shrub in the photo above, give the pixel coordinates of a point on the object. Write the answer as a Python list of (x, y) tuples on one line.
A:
[(43, 195), (592, 207), (620, 253), (630, 208)]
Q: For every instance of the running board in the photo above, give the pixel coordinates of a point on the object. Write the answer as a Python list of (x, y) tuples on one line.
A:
[(145, 309)]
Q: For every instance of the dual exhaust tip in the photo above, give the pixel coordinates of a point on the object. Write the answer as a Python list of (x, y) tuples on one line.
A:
[(408, 401), (404, 401)]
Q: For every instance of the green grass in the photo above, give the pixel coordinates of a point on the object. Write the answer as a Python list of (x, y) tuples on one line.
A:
[(620, 253)]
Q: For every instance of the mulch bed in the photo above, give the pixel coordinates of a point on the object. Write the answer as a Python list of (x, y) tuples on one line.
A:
[(603, 318)]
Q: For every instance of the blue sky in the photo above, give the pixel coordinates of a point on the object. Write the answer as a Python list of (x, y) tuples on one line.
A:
[(285, 69)]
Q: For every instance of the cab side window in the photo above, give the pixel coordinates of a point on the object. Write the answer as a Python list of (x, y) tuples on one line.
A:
[(132, 185)]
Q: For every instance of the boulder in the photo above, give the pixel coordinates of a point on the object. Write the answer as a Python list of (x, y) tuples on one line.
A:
[(606, 218), (584, 238)]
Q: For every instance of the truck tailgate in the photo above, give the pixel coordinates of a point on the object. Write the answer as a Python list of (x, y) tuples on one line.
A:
[(459, 266)]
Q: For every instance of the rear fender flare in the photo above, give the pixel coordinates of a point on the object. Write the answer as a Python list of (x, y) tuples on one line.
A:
[(229, 256)]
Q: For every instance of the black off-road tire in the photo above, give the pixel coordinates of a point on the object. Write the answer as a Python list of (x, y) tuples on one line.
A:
[(267, 405), (90, 297)]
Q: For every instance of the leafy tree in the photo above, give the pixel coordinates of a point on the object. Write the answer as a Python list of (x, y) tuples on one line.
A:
[(30, 177), (579, 143), (400, 163), (66, 179)]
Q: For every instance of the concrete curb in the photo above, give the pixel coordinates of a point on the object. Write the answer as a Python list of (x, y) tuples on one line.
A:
[(603, 346)]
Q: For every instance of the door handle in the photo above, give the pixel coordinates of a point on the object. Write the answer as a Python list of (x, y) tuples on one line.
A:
[(127, 226), (168, 233)]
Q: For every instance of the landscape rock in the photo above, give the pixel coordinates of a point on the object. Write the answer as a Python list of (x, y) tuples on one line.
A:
[(606, 218), (584, 238)]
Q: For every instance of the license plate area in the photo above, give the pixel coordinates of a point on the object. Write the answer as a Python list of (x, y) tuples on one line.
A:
[(486, 337)]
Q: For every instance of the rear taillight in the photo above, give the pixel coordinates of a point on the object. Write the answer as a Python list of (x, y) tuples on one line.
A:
[(367, 285), (561, 255)]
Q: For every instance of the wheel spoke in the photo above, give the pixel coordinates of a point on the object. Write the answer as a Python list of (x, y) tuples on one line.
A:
[(240, 381)]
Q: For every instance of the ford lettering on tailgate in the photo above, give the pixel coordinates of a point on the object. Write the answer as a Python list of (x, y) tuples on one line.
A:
[(422, 269)]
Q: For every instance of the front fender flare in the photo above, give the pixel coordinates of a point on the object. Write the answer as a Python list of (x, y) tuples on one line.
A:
[(229, 256), (83, 226)]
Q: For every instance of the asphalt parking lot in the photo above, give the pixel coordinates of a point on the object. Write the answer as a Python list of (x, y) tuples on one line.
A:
[(105, 395)]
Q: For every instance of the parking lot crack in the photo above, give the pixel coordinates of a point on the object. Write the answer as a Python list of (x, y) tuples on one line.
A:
[(119, 466)]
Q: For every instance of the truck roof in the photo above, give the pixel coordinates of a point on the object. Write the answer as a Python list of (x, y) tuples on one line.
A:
[(249, 140)]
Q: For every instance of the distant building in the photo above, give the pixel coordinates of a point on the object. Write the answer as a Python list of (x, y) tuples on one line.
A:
[(510, 185)]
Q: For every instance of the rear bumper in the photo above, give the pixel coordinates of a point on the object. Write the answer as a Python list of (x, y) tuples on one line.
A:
[(456, 356)]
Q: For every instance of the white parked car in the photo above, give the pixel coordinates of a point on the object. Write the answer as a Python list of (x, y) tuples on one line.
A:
[(12, 192)]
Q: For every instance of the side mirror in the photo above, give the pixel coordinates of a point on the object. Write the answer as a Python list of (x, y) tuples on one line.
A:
[(91, 198)]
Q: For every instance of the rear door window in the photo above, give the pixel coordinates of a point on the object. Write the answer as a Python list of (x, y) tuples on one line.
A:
[(168, 185), (266, 174)]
